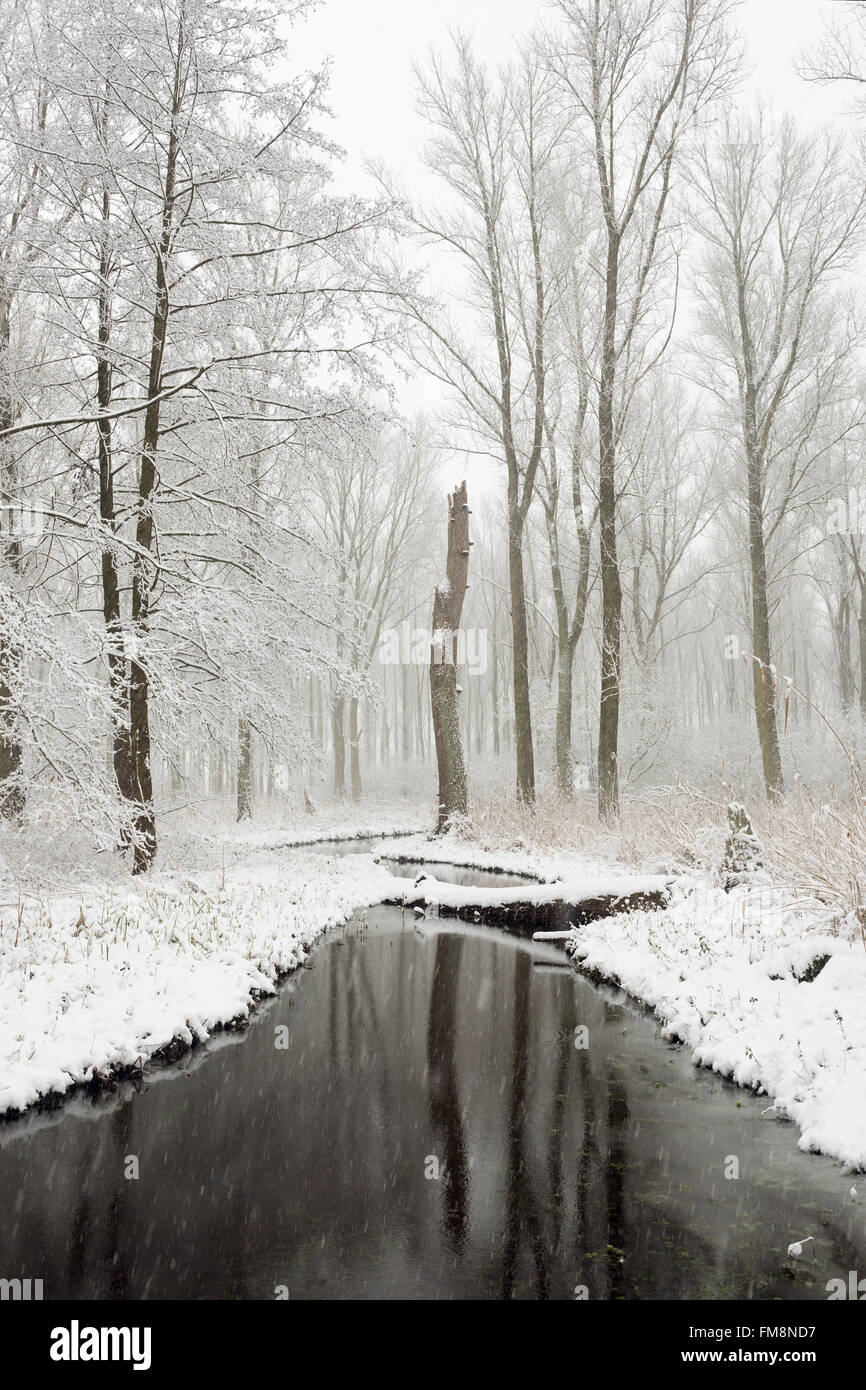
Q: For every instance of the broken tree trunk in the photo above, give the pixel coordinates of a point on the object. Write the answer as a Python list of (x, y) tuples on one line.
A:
[(447, 609)]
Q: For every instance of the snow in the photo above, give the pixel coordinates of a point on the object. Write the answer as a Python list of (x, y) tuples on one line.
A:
[(103, 981), (571, 890), (344, 827), (339, 822), (521, 860), (720, 969), (721, 972), (108, 976)]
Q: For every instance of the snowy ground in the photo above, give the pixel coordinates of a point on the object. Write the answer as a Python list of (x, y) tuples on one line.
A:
[(725, 974), (569, 890), (110, 972), (103, 980), (520, 859), (100, 972)]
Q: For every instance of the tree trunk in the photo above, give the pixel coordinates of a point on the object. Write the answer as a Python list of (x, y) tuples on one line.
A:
[(354, 749), (567, 633), (142, 577), (118, 671), (843, 638), (245, 772), (494, 694), (564, 759), (763, 679), (520, 665), (420, 716), (12, 798), (338, 740), (611, 589), (447, 610), (406, 711)]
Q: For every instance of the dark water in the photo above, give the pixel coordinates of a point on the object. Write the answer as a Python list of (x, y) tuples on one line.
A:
[(309, 1169)]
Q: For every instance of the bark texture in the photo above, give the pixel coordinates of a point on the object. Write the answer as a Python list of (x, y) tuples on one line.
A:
[(447, 611)]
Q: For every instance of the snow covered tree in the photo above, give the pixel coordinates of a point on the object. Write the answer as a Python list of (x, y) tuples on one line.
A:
[(782, 218), (640, 74)]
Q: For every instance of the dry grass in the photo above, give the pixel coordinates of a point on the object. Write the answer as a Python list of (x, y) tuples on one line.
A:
[(817, 846), (664, 826), (814, 843)]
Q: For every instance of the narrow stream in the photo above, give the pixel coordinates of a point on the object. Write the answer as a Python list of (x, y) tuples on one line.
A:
[(446, 873), (430, 1131)]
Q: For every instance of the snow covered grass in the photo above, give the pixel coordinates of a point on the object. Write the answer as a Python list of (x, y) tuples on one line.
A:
[(818, 845), (100, 972), (813, 843), (50, 859), (653, 833), (213, 834), (101, 982), (728, 974), (557, 839)]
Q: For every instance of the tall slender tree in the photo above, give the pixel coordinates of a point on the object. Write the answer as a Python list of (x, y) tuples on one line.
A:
[(640, 73), (783, 216)]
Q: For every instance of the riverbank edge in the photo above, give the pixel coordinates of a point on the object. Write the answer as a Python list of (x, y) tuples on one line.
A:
[(552, 877)]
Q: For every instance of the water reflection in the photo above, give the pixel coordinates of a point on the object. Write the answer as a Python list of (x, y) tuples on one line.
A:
[(446, 1117), (559, 1166)]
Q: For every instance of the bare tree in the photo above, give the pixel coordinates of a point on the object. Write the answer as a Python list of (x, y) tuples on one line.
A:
[(783, 217), (374, 498), (668, 500), (640, 73), (496, 147), (839, 55), (25, 101)]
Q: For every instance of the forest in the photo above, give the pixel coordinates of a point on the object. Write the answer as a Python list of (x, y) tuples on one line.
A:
[(500, 516)]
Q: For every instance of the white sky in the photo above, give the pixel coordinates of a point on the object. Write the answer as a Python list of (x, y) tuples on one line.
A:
[(373, 44)]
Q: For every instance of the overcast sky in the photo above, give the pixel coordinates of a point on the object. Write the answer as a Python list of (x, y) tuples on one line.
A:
[(373, 43)]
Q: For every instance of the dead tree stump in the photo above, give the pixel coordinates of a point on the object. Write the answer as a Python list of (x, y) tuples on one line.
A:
[(448, 599)]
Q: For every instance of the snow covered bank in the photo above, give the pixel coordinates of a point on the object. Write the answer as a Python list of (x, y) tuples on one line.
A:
[(523, 861), (102, 980), (208, 840), (106, 980), (729, 974), (322, 829), (567, 892)]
